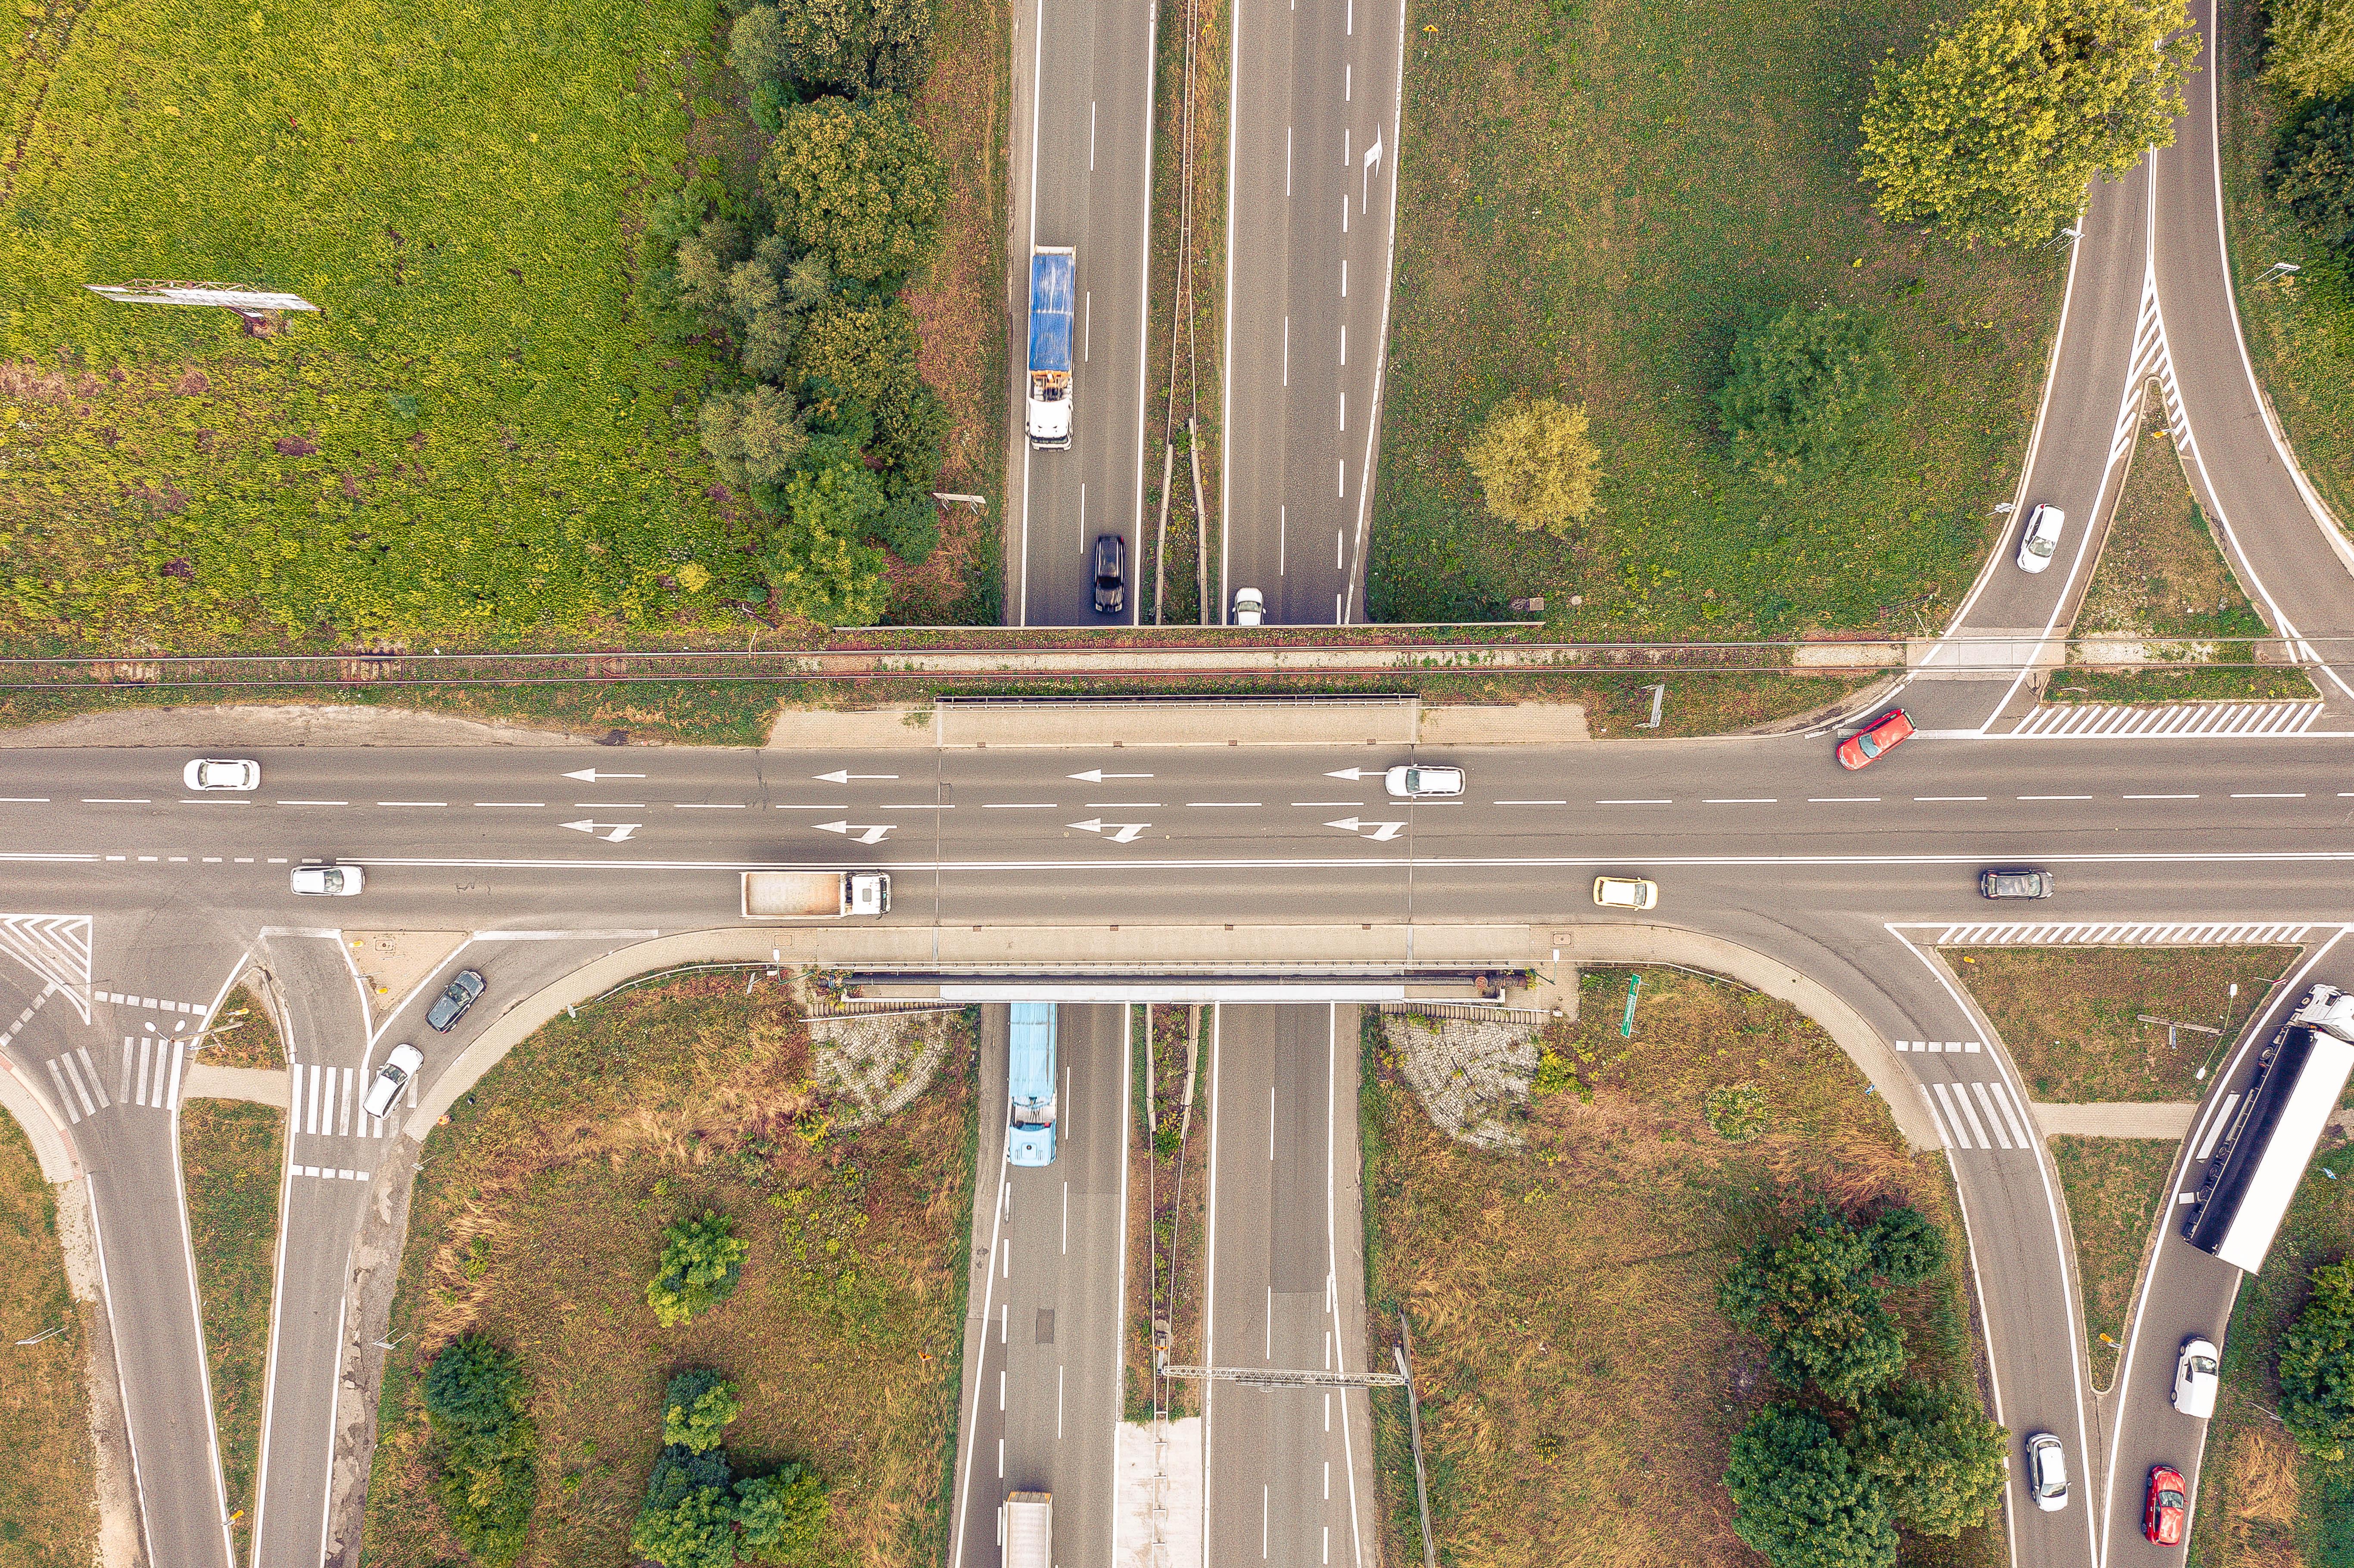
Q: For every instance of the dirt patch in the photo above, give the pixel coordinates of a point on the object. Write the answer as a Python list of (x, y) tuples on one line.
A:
[(872, 1067), (1470, 1075)]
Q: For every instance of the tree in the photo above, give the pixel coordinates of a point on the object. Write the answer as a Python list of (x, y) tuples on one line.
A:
[(855, 46), (1812, 1299), (473, 1385), (1937, 1458), (1994, 130), (1800, 1501), (783, 1516), (696, 1531), (2317, 1367), (2310, 47), (868, 352), (701, 1260), (754, 436), (1905, 1247), (816, 571), (1536, 464), (2313, 175), (697, 1409), (858, 182), (1803, 385), (485, 1447)]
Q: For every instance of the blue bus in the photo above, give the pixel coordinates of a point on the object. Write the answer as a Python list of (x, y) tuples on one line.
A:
[(1030, 1084)]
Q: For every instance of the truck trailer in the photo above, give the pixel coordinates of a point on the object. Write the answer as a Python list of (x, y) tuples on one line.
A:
[(1054, 285), (1025, 1529), (1030, 1078), (814, 894)]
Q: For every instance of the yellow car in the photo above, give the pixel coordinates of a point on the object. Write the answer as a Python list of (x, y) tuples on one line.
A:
[(1625, 893)]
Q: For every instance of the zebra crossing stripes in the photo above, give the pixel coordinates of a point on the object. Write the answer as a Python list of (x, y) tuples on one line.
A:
[(152, 1004), (56, 948), (331, 1173), (2124, 933), (26, 1016), (149, 1076), (327, 1102), (1955, 1045), (1978, 1115), (2164, 721)]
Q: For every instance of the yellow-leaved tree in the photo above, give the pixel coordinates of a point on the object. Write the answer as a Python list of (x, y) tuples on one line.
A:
[(1536, 464)]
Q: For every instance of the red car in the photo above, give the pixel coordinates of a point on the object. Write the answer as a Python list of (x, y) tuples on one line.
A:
[(2162, 1518), (1860, 750)]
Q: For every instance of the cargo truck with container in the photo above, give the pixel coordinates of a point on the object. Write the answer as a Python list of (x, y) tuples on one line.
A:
[(1030, 1085), (1025, 1530), (814, 894), (1054, 285)]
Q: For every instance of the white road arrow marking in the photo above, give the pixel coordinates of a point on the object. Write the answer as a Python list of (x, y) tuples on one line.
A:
[(621, 831), (1380, 832), (844, 776), (1096, 776), (868, 833), (590, 776), (1373, 157), (1122, 833), (1352, 774)]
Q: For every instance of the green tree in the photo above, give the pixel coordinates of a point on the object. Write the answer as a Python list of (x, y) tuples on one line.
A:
[(856, 45), (473, 1385), (2310, 47), (701, 1261), (697, 1409), (1905, 1247), (1812, 1299), (869, 352), (1536, 464), (1994, 130), (2317, 1367), (2313, 175), (1803, 386), (754, 436), (858, 182), (1937, 1458), (1800, 1501), (696, 1531), (484, 1449), (783, 1516)]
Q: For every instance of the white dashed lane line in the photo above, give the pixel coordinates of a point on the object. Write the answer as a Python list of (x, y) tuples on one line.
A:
[(2160, 797), (319, 803), (2263, 797), (1500, 803), (1744, 801), (24, 799), (1842, 799), (2054, 797), (1944, 800), (96, 800), (510, 802), (1634, 802)]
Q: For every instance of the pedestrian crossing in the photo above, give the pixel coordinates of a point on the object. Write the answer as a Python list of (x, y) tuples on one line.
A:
[(152, 1004), (2125, 933), (1980, 1115), (2164, 721), (1962, 1046), (333, 1173), (326, 1102), (25, 1017), (149, 1076)]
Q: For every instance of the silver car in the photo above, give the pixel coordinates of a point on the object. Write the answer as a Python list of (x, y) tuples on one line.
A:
[(209, 773), (329, 881), (391, 1078), (1423, 783), (2047, 1472), (2195, 1380), (2041, 541)]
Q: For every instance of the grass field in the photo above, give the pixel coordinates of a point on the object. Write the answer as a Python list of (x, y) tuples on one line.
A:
[(2115, 1187), (2162, 578), (537, 1221), (2300, 333), (1580, 1388), (253, 1042), (2069, 1015), (48, 1516), (1593, 192), (2260, 1506), (231, 1157)]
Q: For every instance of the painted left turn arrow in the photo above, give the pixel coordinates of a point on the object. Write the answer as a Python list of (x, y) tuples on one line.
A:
[(844, 776), (590, 776), (868, 833), (1122, 833), (1380, 832), (611, 832)]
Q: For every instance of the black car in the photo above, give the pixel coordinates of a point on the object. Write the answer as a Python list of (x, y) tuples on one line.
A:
[(2020, 883), (1111, 574), (452, 1004)]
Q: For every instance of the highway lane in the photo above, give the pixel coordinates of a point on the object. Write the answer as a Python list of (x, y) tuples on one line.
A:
[(1083, 98), (1043, 1324), (1287, 1471), (1312, 143)]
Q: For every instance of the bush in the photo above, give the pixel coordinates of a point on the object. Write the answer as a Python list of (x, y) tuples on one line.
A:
[(853, 46), (868, 351), (699, 1262), (2313, 175), (1811, 1297), (1905, 1247), (1937, 1458), (484, 1447), (783, 1516), (696, 1531), (1804, 385), (753, 437), (1736, 1112), (857, 183), (696, 1410), (2310, 47), (473, 1386), (1994, 130), (910, 526), (2317, 1367), (1800, 1501), (1535, 465)]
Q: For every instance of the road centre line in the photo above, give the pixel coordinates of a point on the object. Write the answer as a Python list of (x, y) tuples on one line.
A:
[(185, 801)]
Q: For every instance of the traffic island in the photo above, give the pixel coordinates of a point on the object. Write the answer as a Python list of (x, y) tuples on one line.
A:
[(232, 1161)]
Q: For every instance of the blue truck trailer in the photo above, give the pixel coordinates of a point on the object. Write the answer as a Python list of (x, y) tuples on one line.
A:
[(1053, 291), (1030, 1085)]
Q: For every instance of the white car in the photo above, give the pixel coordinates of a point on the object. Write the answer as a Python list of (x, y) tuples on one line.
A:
[(2047, 1472), (1625, 891), (2041, 542), (1250, 610), (221, 773), (392, 1077), (2195, 1378), (1412, 783), (329, 881)]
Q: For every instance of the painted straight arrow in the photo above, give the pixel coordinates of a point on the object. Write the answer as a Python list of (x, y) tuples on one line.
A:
[(1096, 776), (844, 776), (1380, 832), (1122, 833), (590, 776), (618, 831), (868, 833), (1350, 774)]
